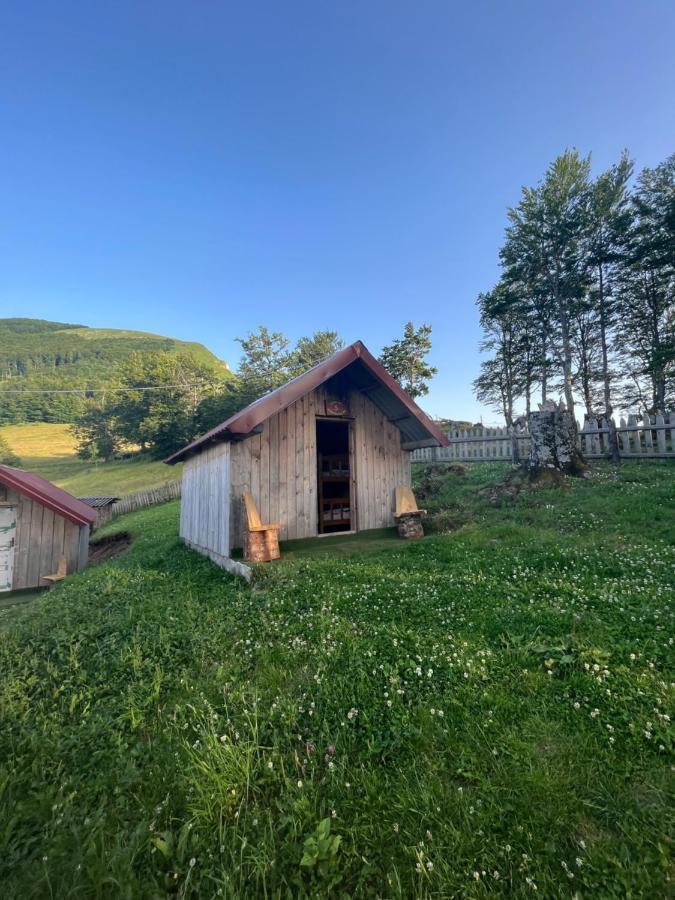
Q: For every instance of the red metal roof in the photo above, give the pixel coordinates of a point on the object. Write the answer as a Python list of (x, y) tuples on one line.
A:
[(55, 498), (246, 420)]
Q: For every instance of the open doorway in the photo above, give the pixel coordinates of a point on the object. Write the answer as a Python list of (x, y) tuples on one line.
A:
[(332, 447)]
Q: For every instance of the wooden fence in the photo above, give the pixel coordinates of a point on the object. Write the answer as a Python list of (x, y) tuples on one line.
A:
[(170, 490), (639, 437)]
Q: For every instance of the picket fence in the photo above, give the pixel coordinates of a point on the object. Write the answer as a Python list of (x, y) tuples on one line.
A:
[(170, 490), (638, 436)]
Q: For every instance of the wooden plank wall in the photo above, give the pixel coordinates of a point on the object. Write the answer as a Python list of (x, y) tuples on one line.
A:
[(42, 538), (380, 464), (205, 508), (279, 465)]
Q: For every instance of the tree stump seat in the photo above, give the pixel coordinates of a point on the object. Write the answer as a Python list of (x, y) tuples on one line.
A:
[(261, 541), (408, 516)]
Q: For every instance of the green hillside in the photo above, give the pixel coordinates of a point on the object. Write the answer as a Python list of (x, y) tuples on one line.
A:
[(37, 354)]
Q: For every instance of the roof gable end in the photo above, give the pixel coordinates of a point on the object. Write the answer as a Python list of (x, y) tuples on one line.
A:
[(47, 494), (251, 417)]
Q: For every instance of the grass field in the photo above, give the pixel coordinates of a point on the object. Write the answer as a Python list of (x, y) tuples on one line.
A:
[(484, 713), (49, 450)]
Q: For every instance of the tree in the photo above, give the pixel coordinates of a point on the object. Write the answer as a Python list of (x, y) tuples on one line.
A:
[(266, 363), (309, 351), (586, 355), (7, 456), (647, 340), (96, 434), (404, 359), (608, 221), (545, 248), (158, 408), (501, 379)]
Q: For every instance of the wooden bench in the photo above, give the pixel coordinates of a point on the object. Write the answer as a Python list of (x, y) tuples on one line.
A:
[(59, 575), (261, 541), (408, 516)]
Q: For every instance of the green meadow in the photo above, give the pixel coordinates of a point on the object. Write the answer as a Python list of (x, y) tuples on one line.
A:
[(484, 713)]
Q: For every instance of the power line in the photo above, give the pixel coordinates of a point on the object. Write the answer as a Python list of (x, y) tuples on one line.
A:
[(109, 390)]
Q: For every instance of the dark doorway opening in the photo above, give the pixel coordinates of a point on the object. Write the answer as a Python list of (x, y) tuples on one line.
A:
[(332, 447)]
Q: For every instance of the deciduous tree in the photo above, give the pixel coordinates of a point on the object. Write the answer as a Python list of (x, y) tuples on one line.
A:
[(405, 359)]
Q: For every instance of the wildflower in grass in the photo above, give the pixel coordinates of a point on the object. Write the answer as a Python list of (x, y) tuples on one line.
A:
[(299, 783), (353, 712)]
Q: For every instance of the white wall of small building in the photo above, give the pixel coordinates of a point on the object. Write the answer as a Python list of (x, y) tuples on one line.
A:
[(205, 501)]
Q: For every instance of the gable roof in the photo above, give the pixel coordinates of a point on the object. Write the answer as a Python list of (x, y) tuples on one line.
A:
[(44, 492), (370, 375), (99, 502)]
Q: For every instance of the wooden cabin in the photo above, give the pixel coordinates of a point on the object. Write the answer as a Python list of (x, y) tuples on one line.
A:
[(43, 530), (321, 455)]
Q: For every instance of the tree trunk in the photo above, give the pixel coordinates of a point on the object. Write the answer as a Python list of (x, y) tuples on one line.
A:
[(553, 442), (567, 362), (614, 454)]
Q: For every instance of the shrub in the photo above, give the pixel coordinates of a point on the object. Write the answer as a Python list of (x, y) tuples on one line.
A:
[(7, 455)]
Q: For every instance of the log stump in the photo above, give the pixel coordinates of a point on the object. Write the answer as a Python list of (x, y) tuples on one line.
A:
[(410, 526), (553, 442), (261, 546)]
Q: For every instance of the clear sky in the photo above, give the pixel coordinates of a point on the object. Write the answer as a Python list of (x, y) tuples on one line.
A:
[(198, 168)]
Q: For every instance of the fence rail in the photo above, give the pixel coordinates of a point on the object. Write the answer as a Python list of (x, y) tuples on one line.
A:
[(638, 436), (170, 490)]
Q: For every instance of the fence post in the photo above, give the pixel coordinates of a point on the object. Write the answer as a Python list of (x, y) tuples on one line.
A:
[(649, 443)]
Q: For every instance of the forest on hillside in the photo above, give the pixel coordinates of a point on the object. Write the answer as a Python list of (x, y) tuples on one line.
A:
[(38, 356)]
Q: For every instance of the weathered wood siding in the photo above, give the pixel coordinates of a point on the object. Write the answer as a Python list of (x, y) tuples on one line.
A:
[(42, 538), (205, 503), (279, 467), (379, 464)]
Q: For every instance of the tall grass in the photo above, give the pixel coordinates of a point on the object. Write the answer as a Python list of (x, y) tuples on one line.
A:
[(484, 713)]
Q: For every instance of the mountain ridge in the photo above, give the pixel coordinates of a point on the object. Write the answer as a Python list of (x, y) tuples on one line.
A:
[(43, 355)]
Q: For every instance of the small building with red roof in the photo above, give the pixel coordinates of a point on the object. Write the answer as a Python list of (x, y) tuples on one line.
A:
[(320, 455), (43, 530)]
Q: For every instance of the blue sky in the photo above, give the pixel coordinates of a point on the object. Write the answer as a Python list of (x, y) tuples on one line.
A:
[(198, 168)]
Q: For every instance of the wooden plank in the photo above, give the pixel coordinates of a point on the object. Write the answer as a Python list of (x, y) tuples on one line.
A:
[(282, 453), (20, 579), (299, 472), (58, 543), (83, 551), (274, 462), (264, 507), (45, 550), (291, 500), (36, 514), (659, 424), (71, 547)]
